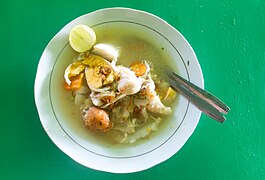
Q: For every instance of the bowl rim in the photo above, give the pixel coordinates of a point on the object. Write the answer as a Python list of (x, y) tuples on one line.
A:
[(54, 133)]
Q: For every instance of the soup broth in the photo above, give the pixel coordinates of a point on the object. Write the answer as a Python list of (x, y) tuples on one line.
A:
[(133, 46)]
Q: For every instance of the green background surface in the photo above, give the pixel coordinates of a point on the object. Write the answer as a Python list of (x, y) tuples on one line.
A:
[(228, 37)]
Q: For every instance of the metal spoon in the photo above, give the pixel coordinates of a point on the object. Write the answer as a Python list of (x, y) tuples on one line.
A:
[(206, 102)]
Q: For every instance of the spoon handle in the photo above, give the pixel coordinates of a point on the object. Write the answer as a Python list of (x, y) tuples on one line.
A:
[(206, 102)]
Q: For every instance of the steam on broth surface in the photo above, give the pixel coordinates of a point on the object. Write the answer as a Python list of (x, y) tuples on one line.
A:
[(133, 47)]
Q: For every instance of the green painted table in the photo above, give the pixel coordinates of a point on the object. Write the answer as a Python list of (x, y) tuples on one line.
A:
[(228, 37)]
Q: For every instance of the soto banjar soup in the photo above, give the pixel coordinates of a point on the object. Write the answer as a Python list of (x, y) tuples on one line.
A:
[(119, 95)]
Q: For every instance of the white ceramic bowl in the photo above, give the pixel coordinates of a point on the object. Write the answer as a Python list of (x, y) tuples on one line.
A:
[(86, 150)]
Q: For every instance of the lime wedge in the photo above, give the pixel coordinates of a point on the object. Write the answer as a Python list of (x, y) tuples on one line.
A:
[(82, 38)]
